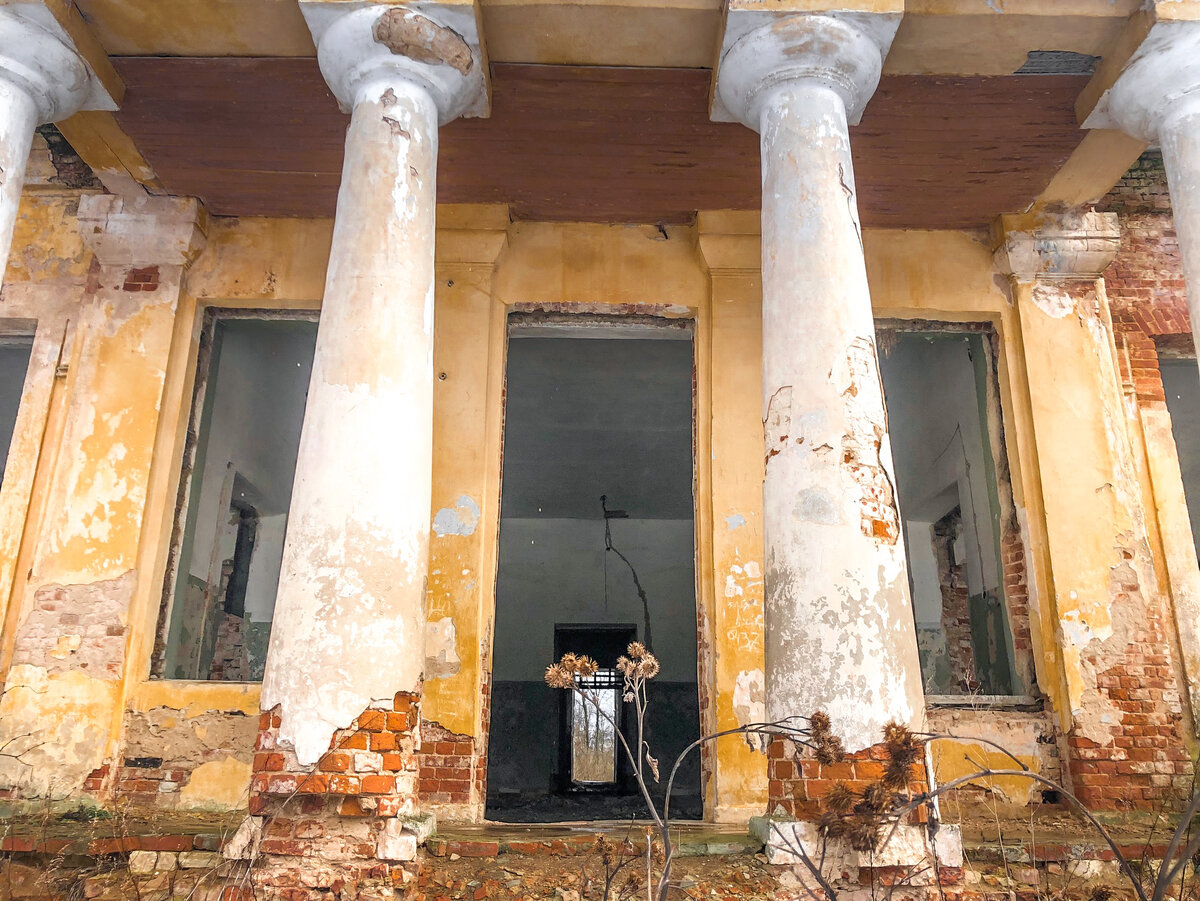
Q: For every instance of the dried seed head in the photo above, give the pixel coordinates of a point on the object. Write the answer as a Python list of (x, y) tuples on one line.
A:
[(818, 724), (901, 744), (636, 649), (1100, 893), (863, 834), (586, 666), (829, 750), (840, 798), (557, 676), (877, 797), (897, 773), (624, 665), (832, 824), (648, 667)]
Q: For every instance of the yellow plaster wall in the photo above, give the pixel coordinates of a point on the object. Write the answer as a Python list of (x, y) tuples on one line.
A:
[(126, 399)]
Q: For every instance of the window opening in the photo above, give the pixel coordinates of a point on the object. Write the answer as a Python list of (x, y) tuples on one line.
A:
[(597, 549), (937, 385), (14, 364), (1181, 385), (239, 463)]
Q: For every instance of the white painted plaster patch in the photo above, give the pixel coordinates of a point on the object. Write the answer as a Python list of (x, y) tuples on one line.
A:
[(736, 521), (460, 519), (441, 649), (749, 704), (1052, 300)]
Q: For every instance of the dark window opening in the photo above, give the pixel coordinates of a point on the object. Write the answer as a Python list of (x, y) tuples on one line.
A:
[(14, 363), (940, 391), (240, 459), (593, 409), (1181, 385)]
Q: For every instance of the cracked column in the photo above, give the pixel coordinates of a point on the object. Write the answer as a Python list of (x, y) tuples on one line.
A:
[(839, 624), (42, 79), (1156, 99), (349, 619)]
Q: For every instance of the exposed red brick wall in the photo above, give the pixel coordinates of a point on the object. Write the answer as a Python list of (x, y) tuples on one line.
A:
[(1143, 763), (1145, 286), (447, 766), (797, 781), (370, 768), (143, 279)]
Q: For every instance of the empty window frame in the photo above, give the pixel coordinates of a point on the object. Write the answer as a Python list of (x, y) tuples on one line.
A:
[(15, 351), (1181, 385), (965, 555), (235, 490)]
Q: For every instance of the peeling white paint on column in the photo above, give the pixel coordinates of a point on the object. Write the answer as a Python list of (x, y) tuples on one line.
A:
[(839, 627), (350, 627), (42, 79)]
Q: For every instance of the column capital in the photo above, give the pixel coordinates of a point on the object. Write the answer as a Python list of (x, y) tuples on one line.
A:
[(762, 49), (1075, 245), (39, 57), (153, 231), (437, 47), (1160, 79)]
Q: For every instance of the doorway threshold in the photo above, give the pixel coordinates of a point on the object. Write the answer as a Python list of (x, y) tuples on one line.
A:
[(692, 839)]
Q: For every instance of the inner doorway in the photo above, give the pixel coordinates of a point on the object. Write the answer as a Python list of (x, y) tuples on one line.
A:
[(597, 548)]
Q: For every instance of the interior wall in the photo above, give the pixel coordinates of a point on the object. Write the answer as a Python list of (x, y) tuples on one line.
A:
[(552, 571)]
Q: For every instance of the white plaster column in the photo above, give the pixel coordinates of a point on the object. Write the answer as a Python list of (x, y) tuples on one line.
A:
[(349, 624), (839, 623), (1156, 98), (42, 79)]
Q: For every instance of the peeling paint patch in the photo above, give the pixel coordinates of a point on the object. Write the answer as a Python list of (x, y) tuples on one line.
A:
[(749, 704), (441, 649), (77, 627), (777, 424), (408, 33), (461, 519), (1052, 300), (736, 521)]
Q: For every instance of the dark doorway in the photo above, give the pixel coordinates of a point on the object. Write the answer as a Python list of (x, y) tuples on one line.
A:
[(593, 409)]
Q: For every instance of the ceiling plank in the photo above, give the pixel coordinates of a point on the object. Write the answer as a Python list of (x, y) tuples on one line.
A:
[(263, 137)]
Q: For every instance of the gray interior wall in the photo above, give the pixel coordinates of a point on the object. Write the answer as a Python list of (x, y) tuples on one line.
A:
[(552, 571), (938, 444), (14, 362)]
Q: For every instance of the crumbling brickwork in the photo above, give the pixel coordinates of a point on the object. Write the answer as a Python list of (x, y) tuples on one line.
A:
[(77, 627), (371, 766), (1145, 285), (798, 782), (1140, 761), (447, 765)]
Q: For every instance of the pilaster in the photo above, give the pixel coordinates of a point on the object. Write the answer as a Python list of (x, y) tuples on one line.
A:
[(1118, 708), (69, 661)]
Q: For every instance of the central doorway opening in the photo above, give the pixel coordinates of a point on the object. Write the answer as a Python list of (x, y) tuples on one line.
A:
[(597, 549)]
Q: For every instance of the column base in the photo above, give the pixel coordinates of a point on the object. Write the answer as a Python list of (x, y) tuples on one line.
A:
[(357, 805), (835, 813)]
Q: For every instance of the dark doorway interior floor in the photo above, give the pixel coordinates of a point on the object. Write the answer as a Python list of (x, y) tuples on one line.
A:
[(591, 412)]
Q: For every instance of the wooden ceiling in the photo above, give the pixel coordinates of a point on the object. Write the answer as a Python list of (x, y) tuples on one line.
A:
[(263, 137)]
